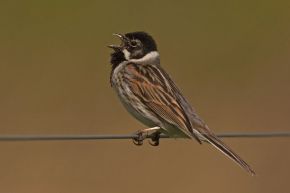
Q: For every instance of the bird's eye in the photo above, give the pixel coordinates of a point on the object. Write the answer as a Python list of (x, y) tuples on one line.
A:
[(134, 43)]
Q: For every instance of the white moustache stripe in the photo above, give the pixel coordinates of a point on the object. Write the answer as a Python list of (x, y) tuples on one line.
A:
[(126, 54)]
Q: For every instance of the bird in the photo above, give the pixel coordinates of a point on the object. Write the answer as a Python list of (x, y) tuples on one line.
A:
[(150, 95)]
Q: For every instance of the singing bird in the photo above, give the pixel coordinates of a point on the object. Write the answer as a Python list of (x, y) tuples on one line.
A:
[(151, 96)]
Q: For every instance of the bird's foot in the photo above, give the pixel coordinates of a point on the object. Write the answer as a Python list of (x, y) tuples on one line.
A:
[(155, 138), (141, 135)]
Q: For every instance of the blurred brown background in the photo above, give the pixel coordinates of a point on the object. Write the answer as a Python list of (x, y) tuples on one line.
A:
[(231, 60)]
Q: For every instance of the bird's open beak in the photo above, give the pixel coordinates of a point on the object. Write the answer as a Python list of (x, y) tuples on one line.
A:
[(119, 47)]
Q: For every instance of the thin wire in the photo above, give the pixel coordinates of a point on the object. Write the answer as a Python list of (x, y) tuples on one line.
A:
[(133, 136)]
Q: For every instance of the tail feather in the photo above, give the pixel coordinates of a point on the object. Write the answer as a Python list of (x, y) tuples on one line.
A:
[(221, 146)]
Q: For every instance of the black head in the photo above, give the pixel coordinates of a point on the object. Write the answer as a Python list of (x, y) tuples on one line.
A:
[(140, 44), (134, 45)]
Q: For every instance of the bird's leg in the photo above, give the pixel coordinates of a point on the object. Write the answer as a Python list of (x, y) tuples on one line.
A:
[(142, 134), (155, 138)]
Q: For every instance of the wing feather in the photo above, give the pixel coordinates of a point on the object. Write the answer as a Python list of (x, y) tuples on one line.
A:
[(152, 86)]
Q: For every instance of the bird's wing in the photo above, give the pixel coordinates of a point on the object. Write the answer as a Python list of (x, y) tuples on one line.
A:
[(156, 91), (153, 86)]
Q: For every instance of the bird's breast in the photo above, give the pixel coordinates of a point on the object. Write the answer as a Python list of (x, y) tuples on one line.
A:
[(121, 82), (117, 74)]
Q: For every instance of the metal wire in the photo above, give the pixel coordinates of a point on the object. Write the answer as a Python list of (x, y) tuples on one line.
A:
[(133, 136)]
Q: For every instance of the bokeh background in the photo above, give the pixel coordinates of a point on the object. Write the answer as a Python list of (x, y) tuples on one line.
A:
[(230, 58)]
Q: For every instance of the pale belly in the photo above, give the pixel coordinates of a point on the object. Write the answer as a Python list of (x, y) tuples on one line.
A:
[(147, 120), (150, 120), (138, 110)]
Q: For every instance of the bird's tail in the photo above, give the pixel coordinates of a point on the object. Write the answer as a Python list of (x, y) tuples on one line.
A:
[(221, 146)]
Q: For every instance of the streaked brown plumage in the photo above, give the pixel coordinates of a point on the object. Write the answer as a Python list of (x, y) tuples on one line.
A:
[(151, 96)]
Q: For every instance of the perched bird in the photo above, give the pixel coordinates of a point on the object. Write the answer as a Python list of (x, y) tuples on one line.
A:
[(151, 96)]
